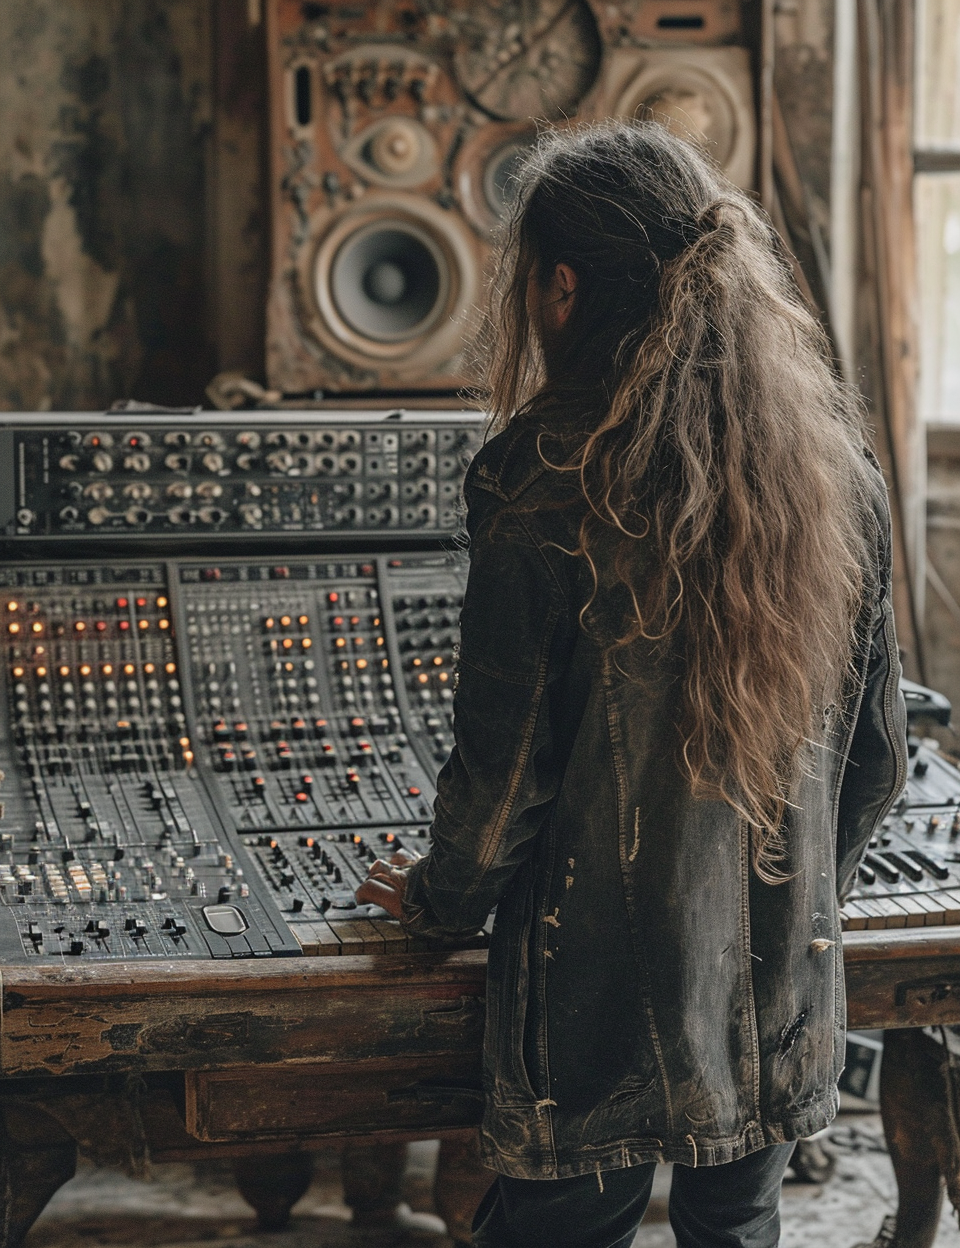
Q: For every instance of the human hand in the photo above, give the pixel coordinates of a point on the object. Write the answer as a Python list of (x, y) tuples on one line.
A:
[(384, 886)]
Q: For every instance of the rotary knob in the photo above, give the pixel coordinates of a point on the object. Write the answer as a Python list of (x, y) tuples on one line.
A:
[(396, 148), (101, 461), (212, 461), (69, 463), (98, 515), (250, 513), (280, 461), (139, 461)]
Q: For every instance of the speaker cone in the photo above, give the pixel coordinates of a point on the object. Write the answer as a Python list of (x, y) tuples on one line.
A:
[(389, 281)]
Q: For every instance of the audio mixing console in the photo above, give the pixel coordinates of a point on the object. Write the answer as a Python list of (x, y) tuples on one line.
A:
[(219, 707)]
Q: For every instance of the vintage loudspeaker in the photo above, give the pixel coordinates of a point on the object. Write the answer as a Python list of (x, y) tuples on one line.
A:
[(395, 132)]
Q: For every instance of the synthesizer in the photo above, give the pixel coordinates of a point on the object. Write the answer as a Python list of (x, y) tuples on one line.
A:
[(219, 705), (227, 654)]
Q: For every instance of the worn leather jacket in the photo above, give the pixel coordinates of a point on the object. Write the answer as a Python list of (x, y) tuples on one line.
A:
[(649, 997)]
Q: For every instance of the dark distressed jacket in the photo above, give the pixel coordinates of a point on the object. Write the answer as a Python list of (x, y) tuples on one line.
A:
[(649, 997)]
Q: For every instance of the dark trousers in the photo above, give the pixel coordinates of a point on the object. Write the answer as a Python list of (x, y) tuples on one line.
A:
[(731, 1206)]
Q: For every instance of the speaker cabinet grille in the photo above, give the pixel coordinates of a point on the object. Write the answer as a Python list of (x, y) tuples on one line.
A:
[(397, 127)]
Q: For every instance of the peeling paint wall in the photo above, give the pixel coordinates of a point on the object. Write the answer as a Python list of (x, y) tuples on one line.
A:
[(105, 110)]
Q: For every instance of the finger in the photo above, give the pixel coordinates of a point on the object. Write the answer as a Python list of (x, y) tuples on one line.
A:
[(374, 892)]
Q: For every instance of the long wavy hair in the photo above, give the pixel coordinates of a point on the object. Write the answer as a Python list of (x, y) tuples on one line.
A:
[(716, 438)]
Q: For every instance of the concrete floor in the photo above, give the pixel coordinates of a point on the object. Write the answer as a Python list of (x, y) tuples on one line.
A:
[(188, 1207)]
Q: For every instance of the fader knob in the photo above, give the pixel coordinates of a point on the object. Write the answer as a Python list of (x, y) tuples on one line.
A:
[(98, 515)]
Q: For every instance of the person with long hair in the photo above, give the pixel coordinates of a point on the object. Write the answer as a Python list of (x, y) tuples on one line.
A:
[(678, 720)]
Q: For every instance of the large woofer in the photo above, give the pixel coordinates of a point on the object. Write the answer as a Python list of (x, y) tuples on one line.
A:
[(393, 279), (389, 281)]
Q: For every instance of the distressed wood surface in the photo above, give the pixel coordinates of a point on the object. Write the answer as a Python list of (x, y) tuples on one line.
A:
[(340, 1099), (206, 1016)]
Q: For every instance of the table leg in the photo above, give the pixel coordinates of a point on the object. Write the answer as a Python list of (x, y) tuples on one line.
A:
[(461, 1183), (916, 1122), (37, 1157), (273, 1184)]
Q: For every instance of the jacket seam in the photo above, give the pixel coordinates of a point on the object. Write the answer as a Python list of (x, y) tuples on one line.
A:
[(494, 841), (620, 786), (746, 953)]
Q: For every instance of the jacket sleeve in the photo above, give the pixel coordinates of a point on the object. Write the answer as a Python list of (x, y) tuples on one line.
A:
[(497, 786), (876, 769)]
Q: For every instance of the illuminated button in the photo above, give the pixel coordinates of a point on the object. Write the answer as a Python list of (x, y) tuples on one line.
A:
[(124, 626), (143, 625), (301, 797), (128, 669), (413, 791), (13, 606), (149, 668), (303, 620), (18, 671), (100, 626), (306, 781), (163, 625), (285, 621), (259, 784), (36, 627), (337, 621), (161, 603), (13, 628), (122, 604), (339, 642), (170, 668), (64, 671), (287, 643), (141, 602), (80, 626), (333, 597), (268, 623), (305, 643)]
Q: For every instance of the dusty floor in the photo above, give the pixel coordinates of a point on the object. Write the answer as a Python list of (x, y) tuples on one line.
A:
[(185, 1208)]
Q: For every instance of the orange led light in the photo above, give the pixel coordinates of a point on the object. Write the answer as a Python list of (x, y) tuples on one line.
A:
[(13, 606), (380, 641), (358, 641), (305, 643), (269, 622), (64, 671), (437, 661), (287, 643), (188, 757), (13, 628), (423, 678), (384, 663), (444, 677), (143, 625), (128, 669), (163, 624), (376, 622), (303, 620), (41, 671), (18, 671), (107, 670), (36, 627), (80, 627), (418, 662), (161, 602), (184, 742), (288, 667), (170, 668), (339, 643), (361, 664), (149, 668), (37, 650), (284, 621)]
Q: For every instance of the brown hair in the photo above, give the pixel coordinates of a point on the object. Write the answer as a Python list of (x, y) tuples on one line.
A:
[(716, 433)]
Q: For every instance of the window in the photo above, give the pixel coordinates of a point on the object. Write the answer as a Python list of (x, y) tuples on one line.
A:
[(937, 206)]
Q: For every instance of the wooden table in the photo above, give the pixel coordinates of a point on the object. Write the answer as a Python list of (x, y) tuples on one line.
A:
[(188, 1060)]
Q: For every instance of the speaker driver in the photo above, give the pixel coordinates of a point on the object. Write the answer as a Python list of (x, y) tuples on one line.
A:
[(389, 281), (389, 288)]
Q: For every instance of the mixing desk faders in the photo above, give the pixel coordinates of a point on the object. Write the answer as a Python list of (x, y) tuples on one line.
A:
[(227, 653)]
